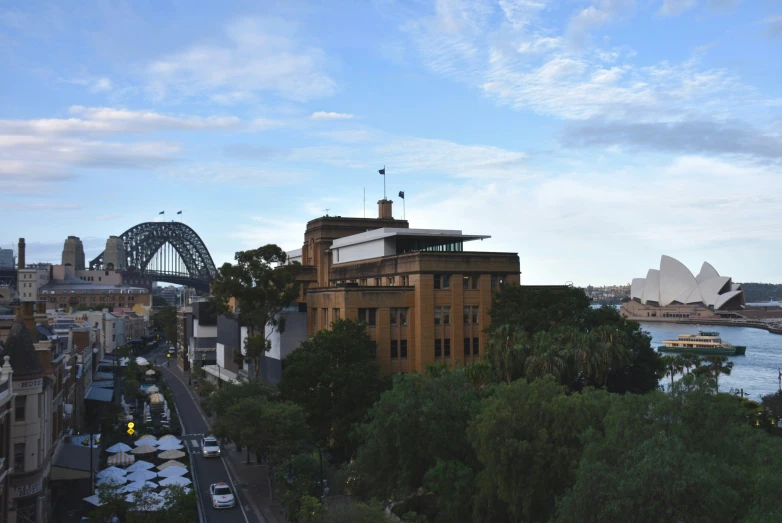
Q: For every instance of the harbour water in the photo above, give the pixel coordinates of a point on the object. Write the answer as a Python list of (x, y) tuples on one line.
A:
[(757, 372)]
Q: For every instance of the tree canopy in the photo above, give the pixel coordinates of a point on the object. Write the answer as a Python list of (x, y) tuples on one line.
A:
[(335, 378), (263, 283)]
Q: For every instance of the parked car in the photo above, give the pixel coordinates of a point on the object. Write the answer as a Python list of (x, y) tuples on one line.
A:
[(221, 495), (210, 448)]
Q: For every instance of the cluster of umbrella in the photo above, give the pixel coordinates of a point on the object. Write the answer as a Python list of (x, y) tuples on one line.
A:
[(140, 474), (141, 362)]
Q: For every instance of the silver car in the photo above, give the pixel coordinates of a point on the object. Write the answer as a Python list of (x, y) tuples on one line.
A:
[(210, 448)]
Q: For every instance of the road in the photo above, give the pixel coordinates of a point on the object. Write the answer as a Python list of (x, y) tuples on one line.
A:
[(205, 470)]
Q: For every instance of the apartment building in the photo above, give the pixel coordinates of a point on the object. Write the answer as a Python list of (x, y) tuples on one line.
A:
[(424, 298), (6, 422)]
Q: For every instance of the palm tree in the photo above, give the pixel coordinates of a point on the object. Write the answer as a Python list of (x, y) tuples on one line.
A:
[(689, 361), (672, 366), (504, 351), (547, 356), (717, 365)]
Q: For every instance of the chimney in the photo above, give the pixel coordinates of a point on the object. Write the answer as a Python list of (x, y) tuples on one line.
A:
[(384, 210), (20, 254)]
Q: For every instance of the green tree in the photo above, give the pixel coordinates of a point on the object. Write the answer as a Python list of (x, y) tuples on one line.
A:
[(164, 320), (716, 366), (334, 376), (263, 426), (262, 291), (673, 366), (527, 439), (416, 436), (688, 455), (112, 498), (231, 393), (536, 309), (354, 512)]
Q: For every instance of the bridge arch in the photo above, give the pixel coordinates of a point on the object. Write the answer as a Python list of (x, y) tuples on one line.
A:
[(147, 239)]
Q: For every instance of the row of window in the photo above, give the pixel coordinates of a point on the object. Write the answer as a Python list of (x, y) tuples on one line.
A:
[(470, 314), (442, 348), (443, 281), (398, 349)]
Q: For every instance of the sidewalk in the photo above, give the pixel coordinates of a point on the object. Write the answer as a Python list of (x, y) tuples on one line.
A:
[(252, 479)]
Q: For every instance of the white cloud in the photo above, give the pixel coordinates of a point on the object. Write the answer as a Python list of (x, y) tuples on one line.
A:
[(111, 120), (676, 7), (239, 174), (601, 13), (101, 85), (257, 54), (257, 231), (774, 26), (325, 115)]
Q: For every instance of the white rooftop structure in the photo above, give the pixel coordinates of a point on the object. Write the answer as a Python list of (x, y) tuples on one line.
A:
[(673, 283), (388, 241)]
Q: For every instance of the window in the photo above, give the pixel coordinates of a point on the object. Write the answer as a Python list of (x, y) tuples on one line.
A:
[(442, 281), (466, 346), (474, 280), (470, 314), (368, 316), (390, 281), (19, 415), (324, 318), (336, 314), (446, 315), (475, 346), (465, 282), (18, 457), (394, 349), (113, 337), (497, 281), (403, 317), (442, 315), (403, 348), (447, 347), (437, 316), (393, 316), (438, 348), (377, 282)]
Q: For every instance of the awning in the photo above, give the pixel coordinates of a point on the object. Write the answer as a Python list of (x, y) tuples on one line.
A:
[(73, 462), (99, 394)]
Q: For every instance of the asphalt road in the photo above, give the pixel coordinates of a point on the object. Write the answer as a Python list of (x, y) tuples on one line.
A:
[(206, 470)]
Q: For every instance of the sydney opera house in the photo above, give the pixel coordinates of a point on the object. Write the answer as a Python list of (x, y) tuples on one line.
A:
[(673, 292)]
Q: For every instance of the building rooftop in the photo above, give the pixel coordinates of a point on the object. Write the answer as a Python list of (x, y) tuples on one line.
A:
[(75, 284), (19, 347), (432, 237)]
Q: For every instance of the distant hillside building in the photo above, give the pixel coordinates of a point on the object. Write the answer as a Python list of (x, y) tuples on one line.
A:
[(6, 258)]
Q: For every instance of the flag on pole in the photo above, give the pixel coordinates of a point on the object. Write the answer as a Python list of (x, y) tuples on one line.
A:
[(402, 194), (382, 171), (162, 212), (179, 212)]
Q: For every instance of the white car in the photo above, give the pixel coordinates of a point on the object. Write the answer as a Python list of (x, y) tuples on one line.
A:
[(210, 448), (221, 495)]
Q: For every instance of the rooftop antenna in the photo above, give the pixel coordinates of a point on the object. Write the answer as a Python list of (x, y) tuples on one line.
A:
[(365, 202), (327, 211)]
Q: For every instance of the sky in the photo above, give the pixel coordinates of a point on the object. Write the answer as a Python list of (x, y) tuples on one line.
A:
[(589, 136)]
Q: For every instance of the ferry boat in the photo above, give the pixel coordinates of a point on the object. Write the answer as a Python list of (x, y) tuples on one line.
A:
[(705, 343)]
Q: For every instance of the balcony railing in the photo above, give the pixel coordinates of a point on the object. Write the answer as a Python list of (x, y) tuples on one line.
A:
[(4, 385)]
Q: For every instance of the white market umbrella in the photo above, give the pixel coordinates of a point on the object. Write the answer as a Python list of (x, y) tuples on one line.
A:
[(171, 454), (150, 372), (175, 480), (138, 485), (172, 472), (143, 449), (170, 444), (121, 459), (111, 471), (140, 465), (153, 389), (167, 492), (118, 447), (171, 463), (112, 480), (167, 436), (141, 475), (145, 440), (151, 502), (93, 500)]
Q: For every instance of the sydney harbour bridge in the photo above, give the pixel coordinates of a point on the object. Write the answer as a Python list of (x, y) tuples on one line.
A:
[(165, 252)]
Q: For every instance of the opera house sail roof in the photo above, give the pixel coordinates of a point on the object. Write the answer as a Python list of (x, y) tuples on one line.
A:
[(673, 283)]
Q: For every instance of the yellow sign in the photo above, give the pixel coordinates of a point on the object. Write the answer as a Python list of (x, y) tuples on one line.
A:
[(131, 431), (131, 425)]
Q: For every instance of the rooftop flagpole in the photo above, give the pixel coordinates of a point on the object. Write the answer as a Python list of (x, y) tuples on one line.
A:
[(383, 174)]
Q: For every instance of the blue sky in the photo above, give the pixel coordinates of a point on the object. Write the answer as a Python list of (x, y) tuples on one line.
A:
[(589, 136)]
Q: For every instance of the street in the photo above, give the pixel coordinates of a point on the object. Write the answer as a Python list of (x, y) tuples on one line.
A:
[(205, 470)]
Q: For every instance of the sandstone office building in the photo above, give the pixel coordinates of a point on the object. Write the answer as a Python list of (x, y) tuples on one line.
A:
[(423, 297)]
